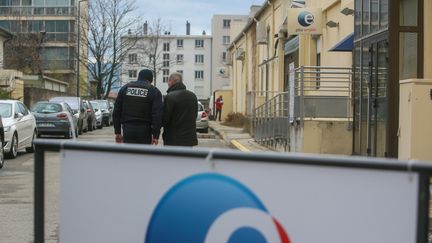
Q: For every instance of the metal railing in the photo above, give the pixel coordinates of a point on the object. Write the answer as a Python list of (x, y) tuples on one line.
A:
[(312, 92), (37, 11)]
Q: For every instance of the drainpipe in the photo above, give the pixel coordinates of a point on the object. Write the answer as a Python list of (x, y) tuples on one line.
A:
[(272, 30)]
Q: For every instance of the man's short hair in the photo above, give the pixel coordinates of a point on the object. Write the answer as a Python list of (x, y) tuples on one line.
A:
[(176, 77), (146, 74)]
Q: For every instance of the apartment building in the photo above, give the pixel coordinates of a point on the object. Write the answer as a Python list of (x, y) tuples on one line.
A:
[(54, 21), (186, 54), (224, 29)]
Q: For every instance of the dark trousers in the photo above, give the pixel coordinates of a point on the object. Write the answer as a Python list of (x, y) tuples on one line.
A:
[(218, 112), (137, 133)]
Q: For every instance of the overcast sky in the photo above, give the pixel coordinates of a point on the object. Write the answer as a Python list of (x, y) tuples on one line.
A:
[(175, 13)]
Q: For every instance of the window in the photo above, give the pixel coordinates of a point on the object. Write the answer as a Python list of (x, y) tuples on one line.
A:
[(199, 58), (133, 58), (226, 23), (179, 43), (165, 74), (166, 46), (132, 73), (166, 56), (179, 58), (224, 56), (199, 43), (226, 40), (199, 75), (165, 64), (180, 71)]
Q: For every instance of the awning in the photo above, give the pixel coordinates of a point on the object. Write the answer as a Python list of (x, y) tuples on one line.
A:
[(291, 46), (346, 44)]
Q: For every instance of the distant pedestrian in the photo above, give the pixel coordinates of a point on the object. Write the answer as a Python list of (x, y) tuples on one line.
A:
[(219, 104), (138, 111), (180, 112)]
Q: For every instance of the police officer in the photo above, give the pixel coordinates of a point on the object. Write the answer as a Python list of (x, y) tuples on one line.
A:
[(138, 111)]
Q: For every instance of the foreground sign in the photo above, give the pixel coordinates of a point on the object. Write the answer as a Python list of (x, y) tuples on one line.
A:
[(304, 21), (164, 198)]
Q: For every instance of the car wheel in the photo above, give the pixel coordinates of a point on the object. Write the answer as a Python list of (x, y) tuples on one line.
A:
[(90, 127), (1, 157), (80, 128), (14, 147), (31, 149), (205, 130), (76, 133), (69, 134)]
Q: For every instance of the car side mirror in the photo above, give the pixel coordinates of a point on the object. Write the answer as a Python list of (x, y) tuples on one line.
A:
[(19, 116)]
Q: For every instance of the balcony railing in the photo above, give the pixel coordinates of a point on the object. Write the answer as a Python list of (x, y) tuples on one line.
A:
[(37, 11), (314, 92)]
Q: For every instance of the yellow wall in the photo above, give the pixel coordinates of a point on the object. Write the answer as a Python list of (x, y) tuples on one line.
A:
[(415, 116), (18, 92), (227, 107), (327, 137), (428, 39)]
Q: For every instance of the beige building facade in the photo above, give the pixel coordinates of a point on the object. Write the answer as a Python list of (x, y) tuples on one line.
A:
[(265, 57)]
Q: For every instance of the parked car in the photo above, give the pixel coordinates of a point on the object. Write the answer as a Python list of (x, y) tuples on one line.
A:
[(91, 121), (19, 126), (77, 105), (98, 114), (202, 121), (55, 118), (107, 111)]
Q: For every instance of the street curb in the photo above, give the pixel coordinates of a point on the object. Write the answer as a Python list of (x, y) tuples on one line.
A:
[(239, 146)]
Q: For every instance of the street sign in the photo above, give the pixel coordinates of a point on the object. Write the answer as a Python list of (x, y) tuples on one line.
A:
[(304, 21)]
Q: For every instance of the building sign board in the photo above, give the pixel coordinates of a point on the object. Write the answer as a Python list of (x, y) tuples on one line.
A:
[(131, 197), (304, 21)]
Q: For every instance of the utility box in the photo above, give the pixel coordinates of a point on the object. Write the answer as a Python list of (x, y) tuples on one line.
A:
[(415, 119)]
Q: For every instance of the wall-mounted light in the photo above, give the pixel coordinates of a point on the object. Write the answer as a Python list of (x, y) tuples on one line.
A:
[(347, 11), (332, 24)]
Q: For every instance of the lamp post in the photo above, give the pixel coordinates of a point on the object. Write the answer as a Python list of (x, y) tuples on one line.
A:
[(78, 46)]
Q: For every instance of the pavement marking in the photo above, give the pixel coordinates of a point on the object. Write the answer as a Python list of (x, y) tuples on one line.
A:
[(239, 146)]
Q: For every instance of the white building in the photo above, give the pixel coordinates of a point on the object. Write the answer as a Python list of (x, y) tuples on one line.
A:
[(186, 54), (224, 29)]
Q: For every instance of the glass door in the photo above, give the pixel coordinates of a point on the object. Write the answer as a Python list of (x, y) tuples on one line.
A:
[(377, 102)]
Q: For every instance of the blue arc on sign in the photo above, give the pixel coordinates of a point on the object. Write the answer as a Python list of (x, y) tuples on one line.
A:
[(186, 212)]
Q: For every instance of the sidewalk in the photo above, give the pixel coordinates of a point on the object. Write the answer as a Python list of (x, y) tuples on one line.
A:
[(236, 137)]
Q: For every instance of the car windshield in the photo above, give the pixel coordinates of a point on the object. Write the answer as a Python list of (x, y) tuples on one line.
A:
[(5, 110), (95, 105), (103, 104), (47, 108), (72, 102)]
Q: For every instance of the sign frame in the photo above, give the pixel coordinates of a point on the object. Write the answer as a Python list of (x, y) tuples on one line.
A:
[(422, 169)]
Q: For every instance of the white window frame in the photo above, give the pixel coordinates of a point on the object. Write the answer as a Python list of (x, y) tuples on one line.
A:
[(199, 59), (226, 39), (133, 58), (133, 74), (226, 23), (180, 43), (199, 75), (199, 43), (179, 58)]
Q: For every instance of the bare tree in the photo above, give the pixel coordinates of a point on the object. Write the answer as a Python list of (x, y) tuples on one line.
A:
[(107, 22), (153, 47), (24, 51)]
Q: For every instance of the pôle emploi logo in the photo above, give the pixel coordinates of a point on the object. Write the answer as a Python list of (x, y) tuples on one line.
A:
[(212, 208), (305, 18)]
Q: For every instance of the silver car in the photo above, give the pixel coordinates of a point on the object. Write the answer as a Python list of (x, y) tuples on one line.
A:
[(202, 120), (19, 127)]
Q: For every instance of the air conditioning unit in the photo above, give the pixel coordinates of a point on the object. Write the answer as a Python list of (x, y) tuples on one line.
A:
[(240, 54), (261, 34)]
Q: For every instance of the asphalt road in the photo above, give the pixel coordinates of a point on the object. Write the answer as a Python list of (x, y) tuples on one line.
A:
[(16, 189)]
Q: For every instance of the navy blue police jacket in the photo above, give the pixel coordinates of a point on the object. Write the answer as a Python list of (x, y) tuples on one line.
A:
[(138, 102)]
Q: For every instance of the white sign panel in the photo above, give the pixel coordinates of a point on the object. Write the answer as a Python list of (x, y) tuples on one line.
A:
[(168, 199), (304, 21)]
